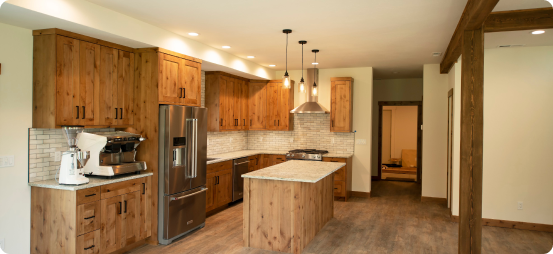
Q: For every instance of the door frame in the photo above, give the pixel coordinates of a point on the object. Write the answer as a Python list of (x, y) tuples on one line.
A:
[(381, 104), (449, 179)]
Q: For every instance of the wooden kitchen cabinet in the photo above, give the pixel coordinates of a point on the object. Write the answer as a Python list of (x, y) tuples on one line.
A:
[(95, 220), (258, 104), (219, 185), (226, 97), (254, 163), (280, 101), (178, 76), (341, 104), (342, 177), (75, 80)]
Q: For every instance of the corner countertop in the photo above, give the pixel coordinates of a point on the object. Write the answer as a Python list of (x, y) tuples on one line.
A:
[(94, 182), (245, 153), (297, 171)]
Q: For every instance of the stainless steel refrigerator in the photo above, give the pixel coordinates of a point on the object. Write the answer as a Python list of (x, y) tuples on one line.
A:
[(182, 170)]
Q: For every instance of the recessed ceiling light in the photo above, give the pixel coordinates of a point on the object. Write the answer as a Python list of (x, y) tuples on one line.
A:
[(226, 47), (251, 56), (314, 63), (538, 32), (272, 65), (193, 34), (436, 54)]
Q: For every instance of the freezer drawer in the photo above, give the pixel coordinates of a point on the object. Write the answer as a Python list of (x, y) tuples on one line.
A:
[(183, 212)]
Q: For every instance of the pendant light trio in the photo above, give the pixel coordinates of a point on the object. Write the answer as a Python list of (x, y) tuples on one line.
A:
[(286, 77)]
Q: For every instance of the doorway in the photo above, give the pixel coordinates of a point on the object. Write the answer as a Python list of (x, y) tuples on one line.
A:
[(400, 141)]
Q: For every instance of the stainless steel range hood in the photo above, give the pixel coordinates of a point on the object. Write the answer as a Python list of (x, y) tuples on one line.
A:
[(311, 106)]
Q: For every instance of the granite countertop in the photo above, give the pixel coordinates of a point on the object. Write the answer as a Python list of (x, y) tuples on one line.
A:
[(297, 171), (244, 153), (94, 182)]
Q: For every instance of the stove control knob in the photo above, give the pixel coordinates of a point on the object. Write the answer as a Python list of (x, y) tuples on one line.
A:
[(288, 155), (303, 156)]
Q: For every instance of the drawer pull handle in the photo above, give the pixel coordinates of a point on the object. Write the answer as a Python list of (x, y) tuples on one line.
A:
[(77, 112), (335, 188), (90, 195), (116, 113), (89, 217), (125, 206), (89, 247), (84, 112), (144, 189), (120, 208)]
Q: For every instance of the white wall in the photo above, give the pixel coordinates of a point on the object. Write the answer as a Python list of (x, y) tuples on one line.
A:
[(434, 134), (454, 81), (362, 103), (16, 49), (391, 90)]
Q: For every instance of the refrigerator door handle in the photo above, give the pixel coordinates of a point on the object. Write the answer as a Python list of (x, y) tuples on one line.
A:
[(192, 194), (195, 158), (193, 134)]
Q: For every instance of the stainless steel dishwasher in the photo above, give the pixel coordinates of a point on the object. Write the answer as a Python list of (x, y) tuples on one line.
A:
[(240, 167)]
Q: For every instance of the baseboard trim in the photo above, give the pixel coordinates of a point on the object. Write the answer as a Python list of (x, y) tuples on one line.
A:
[(433, 199), (360, 194), (511, 224)]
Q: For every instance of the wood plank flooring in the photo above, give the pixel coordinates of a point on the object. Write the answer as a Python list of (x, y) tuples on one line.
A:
[(393, 220)]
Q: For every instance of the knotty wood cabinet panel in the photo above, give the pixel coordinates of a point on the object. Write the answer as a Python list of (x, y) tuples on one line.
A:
[(112, 219), (192, 93), (219, 185), (244, 105), (145, 209), (224, 187), (108, 86), (88, 217), (67, 81), (89, 83), (210, 193), (342, 177), (89, 243), (257, 105), (125, 88), (280, 101), (341, 109), (226, 97), (131, 224), (171, 74)]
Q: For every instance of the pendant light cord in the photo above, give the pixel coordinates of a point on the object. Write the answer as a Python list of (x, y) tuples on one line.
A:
[(302, 62), (286, 52), (315, 67)]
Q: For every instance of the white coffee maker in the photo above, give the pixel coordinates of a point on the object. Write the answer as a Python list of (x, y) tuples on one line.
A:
[(73, 161)]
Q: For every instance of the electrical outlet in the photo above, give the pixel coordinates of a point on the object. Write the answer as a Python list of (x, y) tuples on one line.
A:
[(519, 206), (2, 244), (57, 156), (291, 140), (361, 141)]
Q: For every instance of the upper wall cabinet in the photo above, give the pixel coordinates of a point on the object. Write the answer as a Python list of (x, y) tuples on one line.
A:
[(280, 101), (341, 108), (179, 76), (226, 97), (79, 80), (258, 104)]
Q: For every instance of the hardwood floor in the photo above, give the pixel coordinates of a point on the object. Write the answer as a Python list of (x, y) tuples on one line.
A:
[(393, 220)]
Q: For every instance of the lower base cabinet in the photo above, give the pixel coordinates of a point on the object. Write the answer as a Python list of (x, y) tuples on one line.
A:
[(219, 185), (342, 177), (104, 219)]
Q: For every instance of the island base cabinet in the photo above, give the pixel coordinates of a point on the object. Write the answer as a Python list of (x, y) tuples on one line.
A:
[(82, 221), (283, 215)]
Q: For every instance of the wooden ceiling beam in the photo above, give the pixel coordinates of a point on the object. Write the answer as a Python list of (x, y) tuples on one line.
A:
[(475, 14), (518, 20)]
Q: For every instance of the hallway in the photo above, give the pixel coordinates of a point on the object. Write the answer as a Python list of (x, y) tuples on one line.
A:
[(393, 220)]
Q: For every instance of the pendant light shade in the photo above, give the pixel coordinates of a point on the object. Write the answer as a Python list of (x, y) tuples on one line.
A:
[(286, 77), (314, 90), (302, 81)]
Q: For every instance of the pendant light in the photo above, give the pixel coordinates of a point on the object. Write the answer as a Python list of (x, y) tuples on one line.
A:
[(314, 91), (286, 78), (302, 81)]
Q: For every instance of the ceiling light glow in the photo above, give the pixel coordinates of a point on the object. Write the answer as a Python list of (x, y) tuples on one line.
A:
[(538, 32), (251, 56), (226, 47), (193, 34), (314, 63), (272, 65)]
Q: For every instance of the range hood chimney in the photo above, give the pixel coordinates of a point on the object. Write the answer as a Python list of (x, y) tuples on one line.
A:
[(311, 106)]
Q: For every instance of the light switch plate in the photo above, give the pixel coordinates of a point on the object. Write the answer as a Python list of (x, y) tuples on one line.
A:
[(519, 206), (361, 141), (7, 161), (2, 244)]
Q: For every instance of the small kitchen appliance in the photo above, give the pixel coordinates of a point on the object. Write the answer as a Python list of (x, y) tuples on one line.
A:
[(306, 154), (73, 160), (112, 153)]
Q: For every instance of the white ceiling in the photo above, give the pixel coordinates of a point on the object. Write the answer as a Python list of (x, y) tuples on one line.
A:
[(389, 35)]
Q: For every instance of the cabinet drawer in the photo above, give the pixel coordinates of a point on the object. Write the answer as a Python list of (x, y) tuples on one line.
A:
[(88, 217), (212, 168), (329, 159), (88, 195), (116, 189), (340, 174), (339, 188), (89, 243)]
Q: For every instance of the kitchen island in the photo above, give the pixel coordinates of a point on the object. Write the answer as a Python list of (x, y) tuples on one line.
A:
[(286, 205)]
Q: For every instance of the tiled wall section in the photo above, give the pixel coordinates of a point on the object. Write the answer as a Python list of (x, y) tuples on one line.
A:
[(311, 131), (43, 144)]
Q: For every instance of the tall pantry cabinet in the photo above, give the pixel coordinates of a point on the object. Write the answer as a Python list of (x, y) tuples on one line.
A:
[(79, 80)]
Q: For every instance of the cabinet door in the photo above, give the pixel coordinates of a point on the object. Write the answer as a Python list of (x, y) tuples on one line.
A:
[(229, 103), (89, 82), (237, 90), (171, 72), (110, 229), (272, 106), (244, 94), (252, 165), (211, 182), (224, 187), (146, 208), (130, 228), (257, 106), (67, 81), (192, 93), (125, 88), (223, 105), (108, 86), (340, 113), (89, 243), (265, 161), (284, 106)]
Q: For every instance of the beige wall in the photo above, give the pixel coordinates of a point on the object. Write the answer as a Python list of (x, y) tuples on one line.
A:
[(390, 90), (404, 128), (362, 103), (16, 48), (434, 134)]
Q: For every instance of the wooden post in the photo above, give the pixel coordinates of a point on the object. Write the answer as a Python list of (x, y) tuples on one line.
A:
[(472, 124)]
